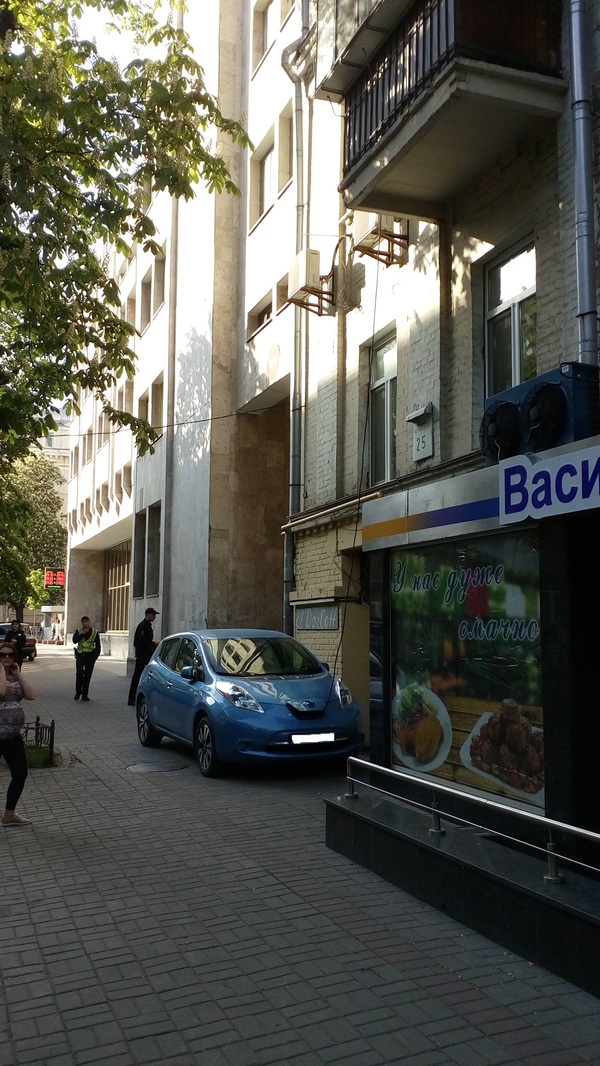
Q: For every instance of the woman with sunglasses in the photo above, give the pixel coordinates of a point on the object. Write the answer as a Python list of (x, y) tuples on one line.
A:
[(14, 687)]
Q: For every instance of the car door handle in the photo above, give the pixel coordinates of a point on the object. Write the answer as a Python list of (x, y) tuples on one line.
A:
[(169, 684)]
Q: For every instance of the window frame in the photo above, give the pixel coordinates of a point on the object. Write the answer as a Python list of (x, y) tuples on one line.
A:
[(513, 306), (388, 383)]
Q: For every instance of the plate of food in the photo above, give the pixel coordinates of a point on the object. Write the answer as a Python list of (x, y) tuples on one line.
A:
[(421, 729), (508, 748)]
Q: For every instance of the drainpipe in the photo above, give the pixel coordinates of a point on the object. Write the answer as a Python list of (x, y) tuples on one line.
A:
[(581, 109), (295, 470)]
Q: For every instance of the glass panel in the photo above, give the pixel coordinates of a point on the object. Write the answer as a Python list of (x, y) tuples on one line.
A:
[(153, 560), (393, 404), (500, 353), (168, 652), (325, 38), (267, 182), (378, 435), (185, 656), (528, 337), (508, 280), (384, 360), (466, 664), (246, 656)]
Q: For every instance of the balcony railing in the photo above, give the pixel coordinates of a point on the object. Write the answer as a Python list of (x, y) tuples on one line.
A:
[(520, 34)]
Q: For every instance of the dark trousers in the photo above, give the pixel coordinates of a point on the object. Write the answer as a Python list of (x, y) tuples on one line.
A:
[(13, 750), (84, 667), (135, 680)]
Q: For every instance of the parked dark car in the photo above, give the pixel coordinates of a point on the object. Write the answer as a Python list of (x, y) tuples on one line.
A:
[(30, 641), (245, 696)]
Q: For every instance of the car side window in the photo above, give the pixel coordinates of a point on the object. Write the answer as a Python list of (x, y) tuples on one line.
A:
[(168, 652), (185, 655)]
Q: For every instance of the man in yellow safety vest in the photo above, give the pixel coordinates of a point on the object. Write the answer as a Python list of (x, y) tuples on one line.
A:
[(87, 650)]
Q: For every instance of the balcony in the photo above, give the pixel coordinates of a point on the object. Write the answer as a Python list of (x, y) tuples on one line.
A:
[(454, 85)]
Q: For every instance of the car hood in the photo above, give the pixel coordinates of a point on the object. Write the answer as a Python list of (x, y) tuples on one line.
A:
[(302, 693)]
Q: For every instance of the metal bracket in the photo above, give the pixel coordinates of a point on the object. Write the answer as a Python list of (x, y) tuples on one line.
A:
[(324, 298)]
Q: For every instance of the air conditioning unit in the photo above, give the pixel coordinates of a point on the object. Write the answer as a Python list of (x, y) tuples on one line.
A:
[(548, 411), (305, 273), (367, 227)]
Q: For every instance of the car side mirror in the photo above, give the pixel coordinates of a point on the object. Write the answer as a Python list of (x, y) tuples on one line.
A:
[(326, 665), (192, 673)]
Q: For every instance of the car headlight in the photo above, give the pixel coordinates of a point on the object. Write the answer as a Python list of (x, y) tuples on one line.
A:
[(239, 696), (342, 692)]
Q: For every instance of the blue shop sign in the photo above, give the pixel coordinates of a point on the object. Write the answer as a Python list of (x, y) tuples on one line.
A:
[(557, 482), (532, 487)]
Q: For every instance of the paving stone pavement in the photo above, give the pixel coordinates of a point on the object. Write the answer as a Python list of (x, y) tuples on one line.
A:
[(153, 916)]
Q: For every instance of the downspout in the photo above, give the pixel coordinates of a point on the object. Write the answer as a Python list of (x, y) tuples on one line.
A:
[(581, 110), (167, 547), (295, 468)]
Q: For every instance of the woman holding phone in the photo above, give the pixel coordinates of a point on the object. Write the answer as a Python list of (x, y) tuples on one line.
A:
[(14, 687)]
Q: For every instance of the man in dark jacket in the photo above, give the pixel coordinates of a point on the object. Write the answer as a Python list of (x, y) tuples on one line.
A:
[(144, 644), (16, 637), (87, 650)]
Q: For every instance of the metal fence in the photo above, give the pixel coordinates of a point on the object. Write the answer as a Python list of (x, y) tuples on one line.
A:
[(41, 734)]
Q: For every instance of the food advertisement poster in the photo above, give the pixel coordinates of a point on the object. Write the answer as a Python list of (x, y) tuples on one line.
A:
[(466, 654)]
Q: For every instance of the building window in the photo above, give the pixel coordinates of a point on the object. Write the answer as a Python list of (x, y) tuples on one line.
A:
[(285, 148), (153, 561), (383, 361), (139, 554), (266, 189), (146, 552), (131, 308), (264, 28), (118, 577), (286, 7), (263, 178), (511, 321), (158, 295), (146, 312), (144, 407), (260, 314), (157, 419)]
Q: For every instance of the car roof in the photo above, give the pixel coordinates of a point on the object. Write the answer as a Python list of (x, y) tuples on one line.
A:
[(227, 634)]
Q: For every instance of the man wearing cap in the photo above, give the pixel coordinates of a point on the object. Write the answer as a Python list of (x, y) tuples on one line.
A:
[(87, 650), (144, 644)]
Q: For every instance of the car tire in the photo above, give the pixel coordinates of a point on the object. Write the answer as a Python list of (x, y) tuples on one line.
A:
[(209, 763), (147, 734)]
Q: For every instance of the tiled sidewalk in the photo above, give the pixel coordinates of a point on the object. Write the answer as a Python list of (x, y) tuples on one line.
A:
[(152, 916)]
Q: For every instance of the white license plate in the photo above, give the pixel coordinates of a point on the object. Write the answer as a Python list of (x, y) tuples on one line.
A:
[(313, 738)]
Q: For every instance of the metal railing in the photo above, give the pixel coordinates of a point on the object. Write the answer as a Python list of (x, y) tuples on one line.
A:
[(431, 36), (549, 825), (41, 734)]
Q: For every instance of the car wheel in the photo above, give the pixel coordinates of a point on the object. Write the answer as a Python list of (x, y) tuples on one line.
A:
[(146, 732), (206, 752)]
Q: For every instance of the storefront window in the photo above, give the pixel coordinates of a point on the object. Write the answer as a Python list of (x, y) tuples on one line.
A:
[(466, 655)]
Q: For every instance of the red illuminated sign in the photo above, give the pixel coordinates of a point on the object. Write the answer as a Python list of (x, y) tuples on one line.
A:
[(54, 579)]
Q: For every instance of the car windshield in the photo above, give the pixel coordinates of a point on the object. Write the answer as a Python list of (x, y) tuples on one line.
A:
[(260, 656)]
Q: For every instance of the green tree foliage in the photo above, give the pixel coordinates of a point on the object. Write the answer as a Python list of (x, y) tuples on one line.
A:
[(80, 140), (39, 595), (36, 538)]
